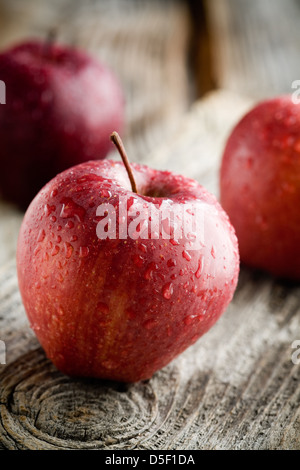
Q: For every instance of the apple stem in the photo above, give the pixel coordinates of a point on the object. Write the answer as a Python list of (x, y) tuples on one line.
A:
[(116, 139)]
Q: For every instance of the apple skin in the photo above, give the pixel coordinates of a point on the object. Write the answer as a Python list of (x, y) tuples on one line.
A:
[(60, 106), (120, 309), (260, 186)]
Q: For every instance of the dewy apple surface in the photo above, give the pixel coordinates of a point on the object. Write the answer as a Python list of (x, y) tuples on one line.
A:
[(61, 104), (121, 308), (260, 186)]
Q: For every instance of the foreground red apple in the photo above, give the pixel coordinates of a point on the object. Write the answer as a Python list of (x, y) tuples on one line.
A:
[(60, 106), (260, 186), (122, 307)]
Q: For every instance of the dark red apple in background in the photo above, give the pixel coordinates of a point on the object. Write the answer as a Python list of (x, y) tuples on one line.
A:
[(260, 186), (121, 308), (61, 105)]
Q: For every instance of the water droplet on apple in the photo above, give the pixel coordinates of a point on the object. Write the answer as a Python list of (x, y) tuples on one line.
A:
[(74, 238), (71, 209), (202, 294), (60, 277), (171, 263), (142, 247), (168, 290), (55, 250), (60, 311), (189, 319), (53, 218), (83, 251), (36, 250), (149, 271), (200, 268), (68, 249), (174, 242), (191, 237), (105, 193), (53, 193), (186, 255), (89, 177), (46, 256), (41, 235), (69, 224), (58, 238), (212, 252), (48, 209), (138, 260)]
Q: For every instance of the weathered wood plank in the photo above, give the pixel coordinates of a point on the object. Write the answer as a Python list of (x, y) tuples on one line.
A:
[(255, 45), (236, 388)]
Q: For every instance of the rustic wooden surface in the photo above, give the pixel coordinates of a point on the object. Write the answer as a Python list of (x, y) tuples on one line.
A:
[(255, 45), (237, 387)]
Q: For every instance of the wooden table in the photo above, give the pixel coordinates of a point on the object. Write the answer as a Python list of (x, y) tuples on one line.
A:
[(237, 387)]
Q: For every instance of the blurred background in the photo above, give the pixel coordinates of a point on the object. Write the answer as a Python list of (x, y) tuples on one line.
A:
[(168, 55)]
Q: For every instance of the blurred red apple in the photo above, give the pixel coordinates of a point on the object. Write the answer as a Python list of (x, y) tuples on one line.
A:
[(60, 106), (260, 186), (122, 307)]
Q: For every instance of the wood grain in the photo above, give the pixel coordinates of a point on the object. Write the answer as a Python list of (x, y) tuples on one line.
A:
[(255, 45), (236, 388)]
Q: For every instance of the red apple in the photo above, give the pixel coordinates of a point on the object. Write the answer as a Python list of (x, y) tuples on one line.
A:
[(260, 186), (122, 307), (60, 106)]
